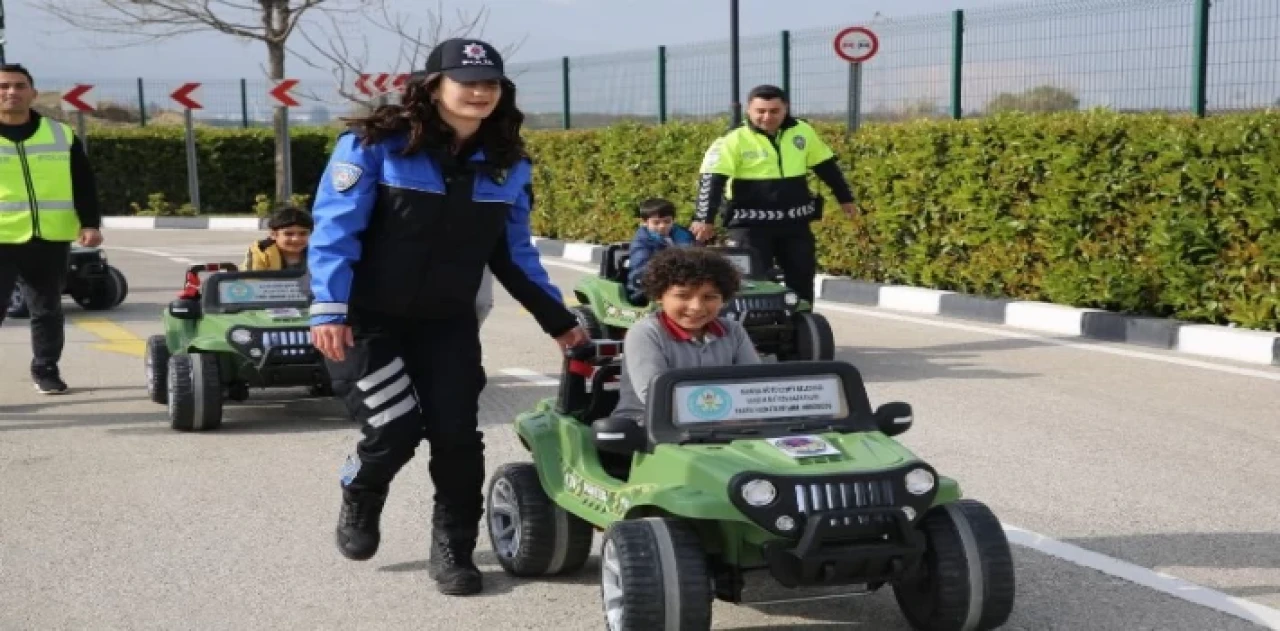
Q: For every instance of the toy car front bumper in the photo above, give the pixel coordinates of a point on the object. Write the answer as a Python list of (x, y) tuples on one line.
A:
[(826, 554)]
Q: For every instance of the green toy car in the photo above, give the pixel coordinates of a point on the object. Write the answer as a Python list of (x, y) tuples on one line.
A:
[(778, 322), (236, 331), (779, 469)]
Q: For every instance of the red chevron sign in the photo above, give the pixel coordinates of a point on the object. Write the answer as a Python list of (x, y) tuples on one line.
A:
[(183, 96), (75, 95), (281, 93)]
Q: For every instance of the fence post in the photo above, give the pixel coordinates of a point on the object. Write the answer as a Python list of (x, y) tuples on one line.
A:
[(244, 104), (1200, 65), (786, 64), (564, 73), (662, 84), (957, 62), (142, 104)]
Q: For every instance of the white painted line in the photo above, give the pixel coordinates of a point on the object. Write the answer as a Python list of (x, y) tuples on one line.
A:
[(1216, 341), (580, 252), (802, 599), (1093, 347), (1045, 317), (158, 253), (531, 377), (182, 260), (912, 299), (1151, 579)]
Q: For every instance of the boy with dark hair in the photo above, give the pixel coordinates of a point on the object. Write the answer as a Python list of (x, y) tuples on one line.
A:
[(286, 246), (657, 231), (691, 285)]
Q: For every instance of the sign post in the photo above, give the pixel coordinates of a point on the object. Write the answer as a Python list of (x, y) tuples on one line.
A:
[(856, 45), (184, 98), (285, 100), (75, 98)]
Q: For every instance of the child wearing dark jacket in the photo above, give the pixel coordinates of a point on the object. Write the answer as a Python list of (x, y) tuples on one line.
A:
[(658, 231)]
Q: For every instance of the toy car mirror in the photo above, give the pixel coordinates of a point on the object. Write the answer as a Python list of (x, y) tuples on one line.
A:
[(617, 435), (894, 418), (185, 309)]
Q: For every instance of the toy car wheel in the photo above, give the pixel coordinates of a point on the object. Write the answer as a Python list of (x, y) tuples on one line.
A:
[(530, 535), (102, 295), (156, 361), (587, 319), (654, 572), (121, 285), (195, 393), (966, 580), (17, 304), (814, 340)]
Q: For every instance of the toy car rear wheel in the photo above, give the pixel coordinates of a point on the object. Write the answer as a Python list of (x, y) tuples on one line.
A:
[(156, 361), (587, 319), (121, 285), (653, 575), (966, 580), (195, 393), (106, 294), (814, 340), (530, 535)]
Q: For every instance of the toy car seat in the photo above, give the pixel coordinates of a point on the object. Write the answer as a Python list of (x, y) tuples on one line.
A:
[(614, 265), (586, 382)]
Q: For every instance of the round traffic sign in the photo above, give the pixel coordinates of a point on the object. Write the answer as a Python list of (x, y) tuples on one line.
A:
[(856, 44)]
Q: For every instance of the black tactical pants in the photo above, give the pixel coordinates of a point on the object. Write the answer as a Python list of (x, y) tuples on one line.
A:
[(409, 379), (791, 244), (42, 265)]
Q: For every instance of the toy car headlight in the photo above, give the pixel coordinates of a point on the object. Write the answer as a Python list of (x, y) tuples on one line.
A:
[(791, 299), (919, 481), (241, 336), (759, 492)]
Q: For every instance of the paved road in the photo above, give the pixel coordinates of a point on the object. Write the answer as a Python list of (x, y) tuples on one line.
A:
[(1121, 461)]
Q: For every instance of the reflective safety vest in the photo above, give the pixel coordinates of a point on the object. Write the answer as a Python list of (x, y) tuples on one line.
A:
[(36, 197), (767, 176)]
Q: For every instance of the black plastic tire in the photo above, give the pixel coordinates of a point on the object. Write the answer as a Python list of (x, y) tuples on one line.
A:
[(966, 581), (530, 534), (101, 295), (121, 285), (653, 575), (587, 319), (814, 340), (195, 393), (156, 364)]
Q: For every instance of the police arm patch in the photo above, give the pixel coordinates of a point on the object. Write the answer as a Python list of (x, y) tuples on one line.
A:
[(345, 176)]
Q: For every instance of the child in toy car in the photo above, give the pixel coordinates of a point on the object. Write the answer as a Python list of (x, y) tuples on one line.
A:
[(657, 232), (286, 245), (690, 286)]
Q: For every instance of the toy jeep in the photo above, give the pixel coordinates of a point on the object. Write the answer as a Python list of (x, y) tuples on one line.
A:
[(777, 470), (236, 331), (91, 283), (778, 322)]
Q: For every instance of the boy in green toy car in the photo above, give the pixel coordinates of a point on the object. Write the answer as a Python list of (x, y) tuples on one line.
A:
[(657, 232), (691, 287)]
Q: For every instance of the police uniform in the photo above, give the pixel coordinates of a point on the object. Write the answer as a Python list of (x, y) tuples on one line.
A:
[(398, 252), (759, 184), (47, 195)]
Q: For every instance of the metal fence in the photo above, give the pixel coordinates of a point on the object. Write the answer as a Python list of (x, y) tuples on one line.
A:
[(1135, 55)]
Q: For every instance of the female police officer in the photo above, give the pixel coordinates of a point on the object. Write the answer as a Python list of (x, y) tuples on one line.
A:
[(417, 199)]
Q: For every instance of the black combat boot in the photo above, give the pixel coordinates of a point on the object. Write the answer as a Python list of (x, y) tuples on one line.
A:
[(358, 533), (450, 565)]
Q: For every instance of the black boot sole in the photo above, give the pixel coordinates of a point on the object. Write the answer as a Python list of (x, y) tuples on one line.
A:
[(356, 554), (467, 589)]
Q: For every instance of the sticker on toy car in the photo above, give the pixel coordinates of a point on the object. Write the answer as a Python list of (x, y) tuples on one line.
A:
[(807, 397), (286, 313), (804, 446), (259, 290)]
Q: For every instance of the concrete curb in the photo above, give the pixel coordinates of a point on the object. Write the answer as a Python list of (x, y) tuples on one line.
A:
[(1205, 340)]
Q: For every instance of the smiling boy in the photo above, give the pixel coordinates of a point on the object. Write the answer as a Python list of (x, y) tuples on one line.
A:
[(286, 246), (690, 285)]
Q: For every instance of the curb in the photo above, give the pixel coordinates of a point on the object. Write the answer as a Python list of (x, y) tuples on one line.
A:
[(1205, 340)]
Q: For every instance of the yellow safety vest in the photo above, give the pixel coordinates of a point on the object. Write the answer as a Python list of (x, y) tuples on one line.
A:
[(36, 197), (767, 176)]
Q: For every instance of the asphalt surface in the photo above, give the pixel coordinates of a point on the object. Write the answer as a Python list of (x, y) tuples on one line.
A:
[(110, 520)]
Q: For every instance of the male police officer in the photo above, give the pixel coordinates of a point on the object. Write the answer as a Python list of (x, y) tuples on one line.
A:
[(47, 200), (760, 169)]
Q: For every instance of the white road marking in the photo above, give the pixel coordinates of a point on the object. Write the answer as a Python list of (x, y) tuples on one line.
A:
[(1159, 581), (530, 377), (1093, 347)]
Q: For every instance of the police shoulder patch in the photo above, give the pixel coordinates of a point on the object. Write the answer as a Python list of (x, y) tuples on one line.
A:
[(345, 175), (799, 142)]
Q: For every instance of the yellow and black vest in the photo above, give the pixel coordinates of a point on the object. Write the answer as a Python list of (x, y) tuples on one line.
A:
[(36, 197), (768, 176)]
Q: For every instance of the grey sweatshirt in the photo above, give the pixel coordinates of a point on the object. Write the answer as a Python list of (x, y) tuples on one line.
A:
[(654, 345)]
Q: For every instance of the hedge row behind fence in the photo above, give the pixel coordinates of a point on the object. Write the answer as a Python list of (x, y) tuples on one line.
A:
[(1153, 214)]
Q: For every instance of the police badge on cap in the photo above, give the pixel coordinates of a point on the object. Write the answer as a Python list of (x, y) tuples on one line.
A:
[(466, 60)]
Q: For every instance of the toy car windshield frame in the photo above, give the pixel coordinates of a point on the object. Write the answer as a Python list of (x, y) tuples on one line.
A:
[(757, 401), (213, 287), (756, 272)]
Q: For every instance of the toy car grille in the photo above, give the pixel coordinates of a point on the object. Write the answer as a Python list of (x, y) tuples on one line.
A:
[(292, 343), (812, 498), (759, 310)]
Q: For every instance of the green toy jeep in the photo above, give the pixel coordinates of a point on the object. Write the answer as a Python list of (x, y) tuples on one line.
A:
[(778, 322), (781, 470), (237, 330)]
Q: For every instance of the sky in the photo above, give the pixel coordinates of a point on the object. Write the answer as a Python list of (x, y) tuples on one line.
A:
[(1125, 57)]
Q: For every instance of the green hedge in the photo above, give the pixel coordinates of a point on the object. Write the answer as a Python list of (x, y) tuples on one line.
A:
[(1153, 214)]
